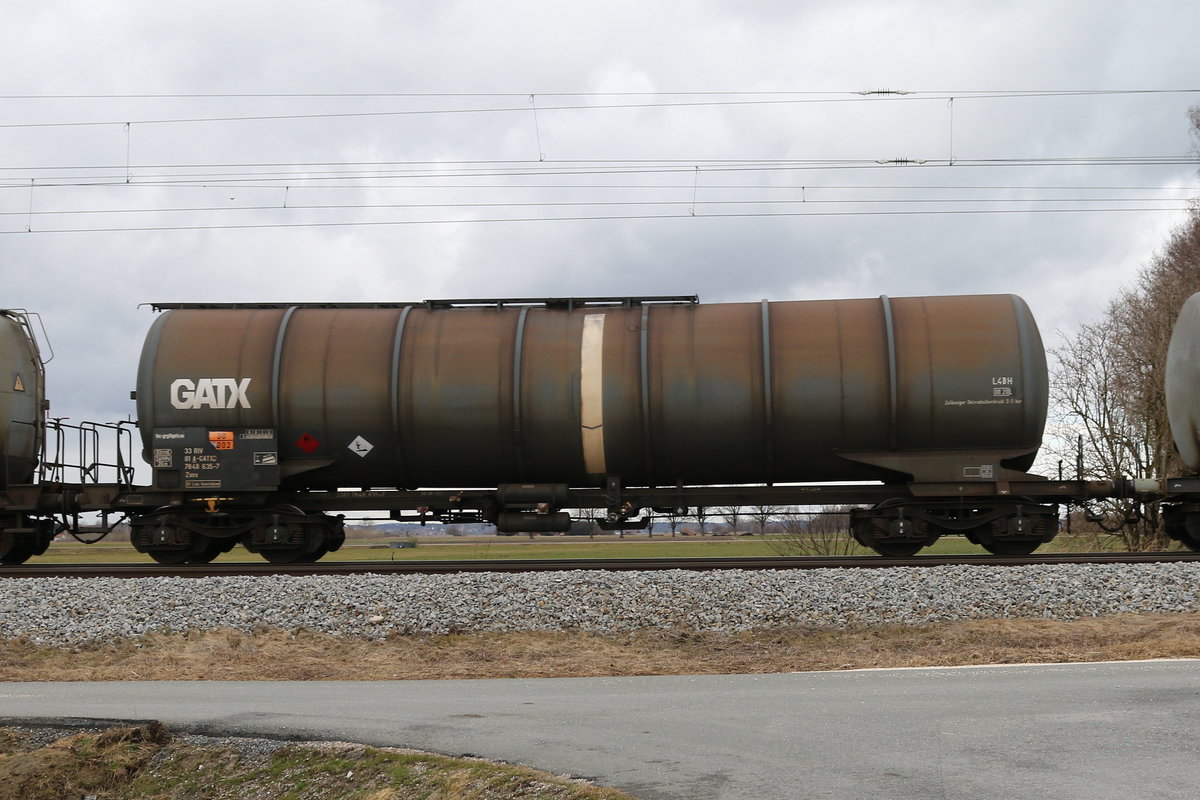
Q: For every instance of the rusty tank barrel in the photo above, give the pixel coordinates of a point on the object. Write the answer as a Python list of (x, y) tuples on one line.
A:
[(655, 391)]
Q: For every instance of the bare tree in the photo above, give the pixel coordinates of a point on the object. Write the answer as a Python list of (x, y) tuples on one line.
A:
[(731, 514), (1145, 316), (825, 532), (763, 516), (675, 517), (1107, 380), (1098, 426)]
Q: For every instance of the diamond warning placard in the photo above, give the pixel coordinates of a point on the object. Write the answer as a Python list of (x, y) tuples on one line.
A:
[(308, 443), (360, 446)]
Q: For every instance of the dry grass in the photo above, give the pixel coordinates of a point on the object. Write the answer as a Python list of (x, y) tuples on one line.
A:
[(139, 763), (274, 655), (81, 765)]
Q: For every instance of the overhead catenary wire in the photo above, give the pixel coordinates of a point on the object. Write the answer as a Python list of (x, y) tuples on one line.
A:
[(602, 203), (719, 98), (648, 167), (296, 179), (659, 185), (583, 218), (723, 99), (655, 93), (685, 162), (869, 205)]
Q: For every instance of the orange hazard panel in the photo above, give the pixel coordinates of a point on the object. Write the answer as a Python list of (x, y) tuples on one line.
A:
[(221, 440)]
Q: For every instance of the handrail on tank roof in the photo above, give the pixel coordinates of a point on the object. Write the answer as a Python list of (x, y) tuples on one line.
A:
[(548, 302)]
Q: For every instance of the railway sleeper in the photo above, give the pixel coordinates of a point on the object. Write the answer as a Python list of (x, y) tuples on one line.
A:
[(898, 529)]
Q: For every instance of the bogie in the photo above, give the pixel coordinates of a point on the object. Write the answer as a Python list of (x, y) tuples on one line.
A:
[(25, 539), (901, 528)]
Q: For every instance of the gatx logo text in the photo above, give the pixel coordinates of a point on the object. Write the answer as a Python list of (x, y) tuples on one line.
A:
[(210, 393)]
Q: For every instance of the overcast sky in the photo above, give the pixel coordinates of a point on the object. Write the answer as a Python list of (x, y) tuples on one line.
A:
[(371, 150)]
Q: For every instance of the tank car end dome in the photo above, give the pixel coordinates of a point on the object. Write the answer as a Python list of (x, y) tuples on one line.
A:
[(1183, 383)]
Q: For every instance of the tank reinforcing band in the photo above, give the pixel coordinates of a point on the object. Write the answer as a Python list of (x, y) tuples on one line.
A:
[(394, 391), (889, 327), (518, 439), (768, 394)]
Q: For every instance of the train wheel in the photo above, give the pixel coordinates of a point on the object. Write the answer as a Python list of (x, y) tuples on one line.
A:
[(287, 555), (1184, 527), (293, 537), (897, 549), (887, 530), (1011, 548), (313, 557), (169, 558), (1018, 533), (199, 550), (1173, 523), (1189, 541), (211, 549), (13, 550)]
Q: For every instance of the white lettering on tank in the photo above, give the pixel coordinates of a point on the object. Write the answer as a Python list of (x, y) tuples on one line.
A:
[(187, 394), (206, 395)]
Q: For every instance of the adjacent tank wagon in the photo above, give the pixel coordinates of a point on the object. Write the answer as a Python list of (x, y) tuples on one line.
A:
[(22, 408), (1182, 388), (22, 398)]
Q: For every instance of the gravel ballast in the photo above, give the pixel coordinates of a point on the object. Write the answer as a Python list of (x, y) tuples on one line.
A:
[(75, 611)]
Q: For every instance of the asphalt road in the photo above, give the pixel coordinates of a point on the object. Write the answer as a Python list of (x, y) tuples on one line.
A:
[(1095, 731)]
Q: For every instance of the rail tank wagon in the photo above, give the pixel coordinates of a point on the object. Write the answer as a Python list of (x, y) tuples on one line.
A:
[(622, 404), (263, 422), (1182, 387), (22, 403), (1182, 383), (21, 398), (656, 392)]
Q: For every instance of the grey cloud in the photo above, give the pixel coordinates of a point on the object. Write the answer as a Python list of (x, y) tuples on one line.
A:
[(88, 285)]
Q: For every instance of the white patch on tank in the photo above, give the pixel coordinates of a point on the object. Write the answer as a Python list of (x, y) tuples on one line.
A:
[(591, 393), (360, 446)]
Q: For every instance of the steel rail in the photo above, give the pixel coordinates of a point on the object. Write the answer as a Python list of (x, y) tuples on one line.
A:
[(406, 567)]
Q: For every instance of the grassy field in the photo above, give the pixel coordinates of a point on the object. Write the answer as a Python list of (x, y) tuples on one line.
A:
[(511, 547), (464, 548)]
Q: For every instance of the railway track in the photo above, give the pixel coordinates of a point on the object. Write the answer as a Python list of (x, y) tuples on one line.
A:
[(562, 564)]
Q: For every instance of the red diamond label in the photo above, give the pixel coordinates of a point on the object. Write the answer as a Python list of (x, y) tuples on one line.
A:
[(308, 443)]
